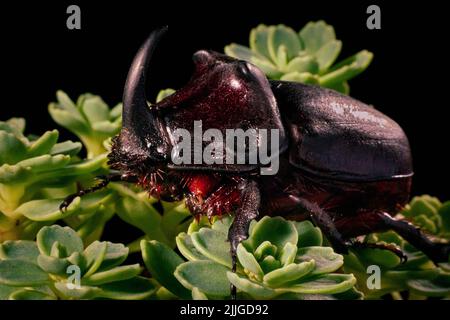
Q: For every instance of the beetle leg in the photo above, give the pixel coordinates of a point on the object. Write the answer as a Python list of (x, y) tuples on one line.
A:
[(437, 252), (381, 245), (324, 221), (247, 211), (104, 181)]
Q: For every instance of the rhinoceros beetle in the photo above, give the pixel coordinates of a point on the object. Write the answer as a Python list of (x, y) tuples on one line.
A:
[(343, 164)]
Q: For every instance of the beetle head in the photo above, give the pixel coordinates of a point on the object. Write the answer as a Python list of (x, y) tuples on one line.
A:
[(224, 93)]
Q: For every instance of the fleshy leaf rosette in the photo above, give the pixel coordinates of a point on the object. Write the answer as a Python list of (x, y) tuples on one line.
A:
[(36, 171), (430, 214), (307, 56), (419, 277), (90, 119), (57, 266), (280, 260)]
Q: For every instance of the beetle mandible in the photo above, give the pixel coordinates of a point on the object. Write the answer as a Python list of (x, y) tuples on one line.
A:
[(343, 164)]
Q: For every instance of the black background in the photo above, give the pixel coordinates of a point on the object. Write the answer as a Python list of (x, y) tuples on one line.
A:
[(408, 79)]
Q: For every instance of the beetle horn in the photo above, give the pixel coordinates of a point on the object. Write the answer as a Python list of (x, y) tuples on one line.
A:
[(134, 97), (141, 129)]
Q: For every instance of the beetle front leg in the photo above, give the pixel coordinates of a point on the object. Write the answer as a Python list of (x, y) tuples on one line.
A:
[(104, 181), (247, 211)]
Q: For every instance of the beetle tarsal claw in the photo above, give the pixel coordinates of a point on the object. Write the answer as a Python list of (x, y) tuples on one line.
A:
[(66, 202), (382, 246)]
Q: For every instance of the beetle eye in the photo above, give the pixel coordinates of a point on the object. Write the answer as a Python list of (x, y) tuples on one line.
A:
[(246, 70), (243, 68)]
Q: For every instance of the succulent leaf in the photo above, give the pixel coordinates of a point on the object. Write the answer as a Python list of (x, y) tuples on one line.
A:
[(306, 57), (272, 261), (418, 277), (28, 270)]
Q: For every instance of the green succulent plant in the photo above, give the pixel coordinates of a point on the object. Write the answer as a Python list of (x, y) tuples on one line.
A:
[(34, 168), (280, 259), (57, 266), (306, 56), (430, 214), (418, 278), (90, 119), (136, 208)]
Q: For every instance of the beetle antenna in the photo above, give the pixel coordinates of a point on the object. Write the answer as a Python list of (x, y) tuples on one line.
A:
[(158, 173)]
